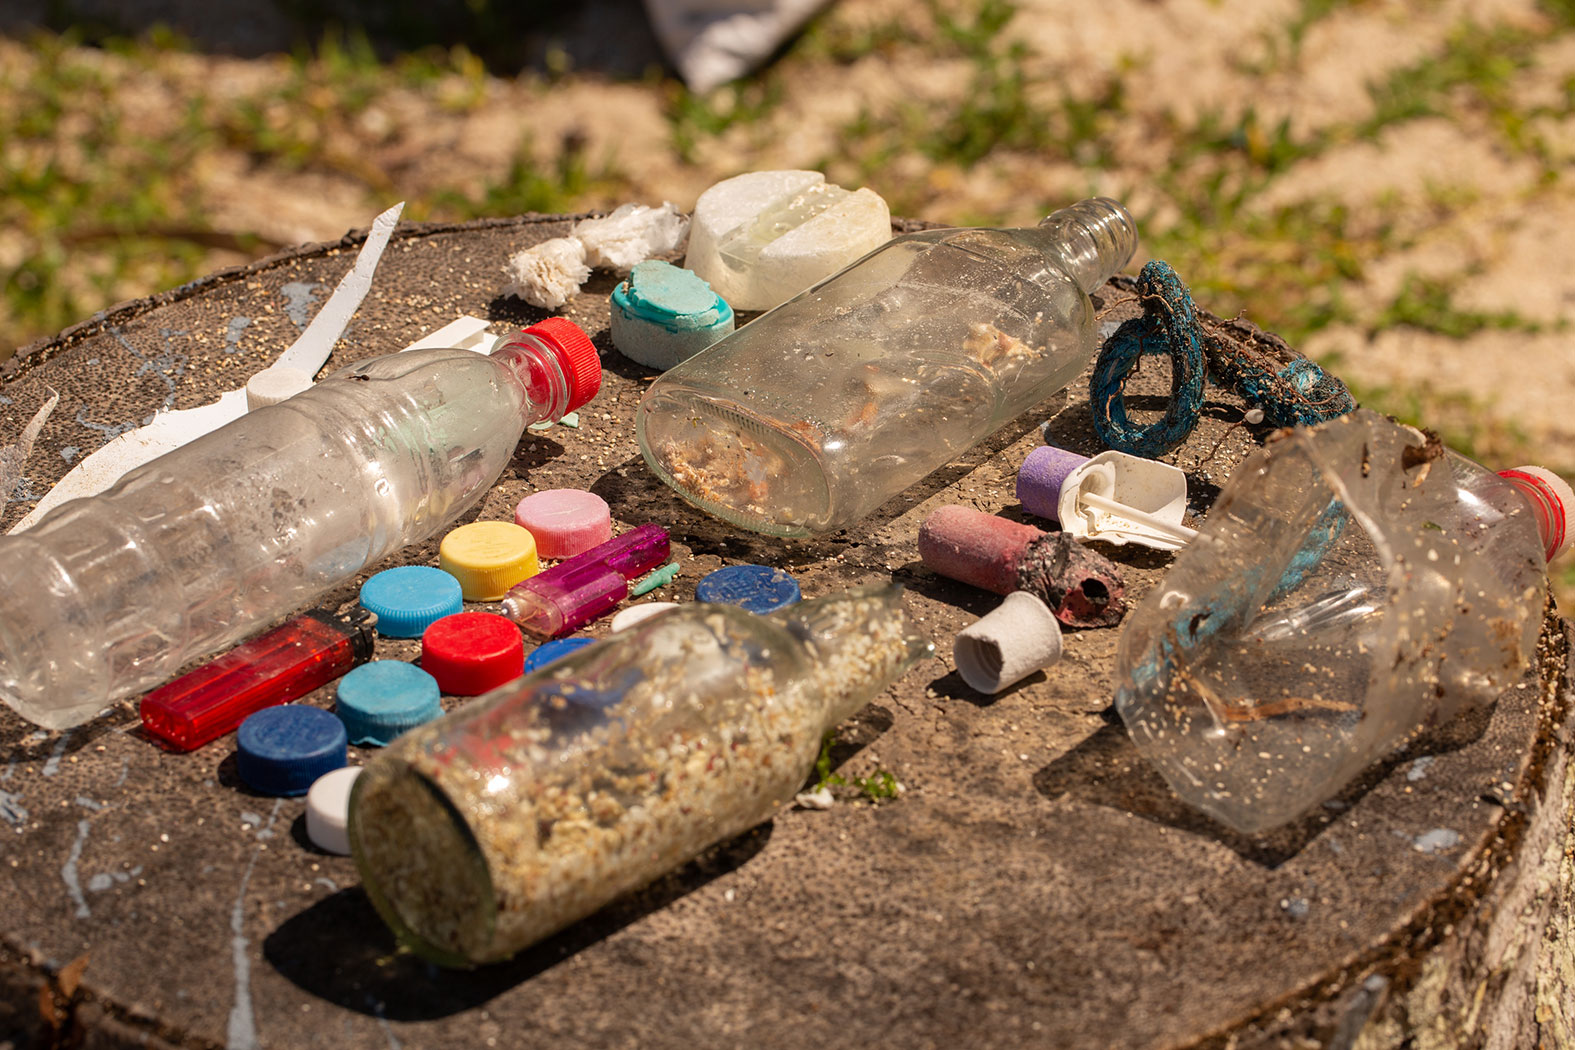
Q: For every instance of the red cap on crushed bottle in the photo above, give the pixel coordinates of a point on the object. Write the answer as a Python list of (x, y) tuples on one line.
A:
[(581, 364), (1552, 501)]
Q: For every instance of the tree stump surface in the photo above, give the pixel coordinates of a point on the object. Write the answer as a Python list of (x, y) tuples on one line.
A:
[(1036, 884)]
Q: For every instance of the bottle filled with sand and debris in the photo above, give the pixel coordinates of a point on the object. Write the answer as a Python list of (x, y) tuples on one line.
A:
[(535, 805), (812, 415), (1354, 585)]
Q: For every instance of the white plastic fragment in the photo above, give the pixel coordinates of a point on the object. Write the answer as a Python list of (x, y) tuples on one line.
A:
[(820, 798), (761, 238), (463, 333), (170, 430), (13, 458), (547, 274), (631, 233), (1019, 637), (1121, 498)]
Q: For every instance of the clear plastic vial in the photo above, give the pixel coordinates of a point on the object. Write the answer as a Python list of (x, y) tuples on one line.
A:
[(109, 596), (815, 413), (537, 804), (1353, 585)]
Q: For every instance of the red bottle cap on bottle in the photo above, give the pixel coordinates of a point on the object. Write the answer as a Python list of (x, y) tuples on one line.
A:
[(470, 653), (581, 364), (1551, 501)]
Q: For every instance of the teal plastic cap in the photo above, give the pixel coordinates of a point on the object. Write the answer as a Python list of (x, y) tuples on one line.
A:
[(380, 700), (410, 598)]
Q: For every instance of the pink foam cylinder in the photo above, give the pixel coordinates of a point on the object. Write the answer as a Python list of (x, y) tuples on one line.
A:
[(1041, 476), (564, 522), (975, 548)]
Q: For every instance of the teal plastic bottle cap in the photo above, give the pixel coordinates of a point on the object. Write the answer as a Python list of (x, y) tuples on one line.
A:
[(379, 700), (410, 598), (663, 314)]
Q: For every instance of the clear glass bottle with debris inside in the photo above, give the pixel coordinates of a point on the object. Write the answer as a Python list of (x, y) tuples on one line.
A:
[(812, 415), (109, 596), (1354, 584), (537, 804)]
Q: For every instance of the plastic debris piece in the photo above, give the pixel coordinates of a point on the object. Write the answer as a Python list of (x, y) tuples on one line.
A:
[(664, 314), (408, 599), (759, 588), (489, 557), (580, 589), (275, 384), (552, 651), (379, 700), (170, 430), (659, 578), (1082, 588), (634, 614), (821, 798), (631, 233), (328, 810), (463, 333), (565, 522), (281, 751), (1017, 638), (470, 653), (761, 238), (548, 274), (1115, 497)]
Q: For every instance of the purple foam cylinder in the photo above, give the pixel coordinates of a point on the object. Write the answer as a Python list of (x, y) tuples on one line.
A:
[(579, 589), (1041, 476)]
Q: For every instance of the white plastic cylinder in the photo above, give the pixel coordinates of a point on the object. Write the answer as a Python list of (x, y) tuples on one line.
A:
[(1020, 636)]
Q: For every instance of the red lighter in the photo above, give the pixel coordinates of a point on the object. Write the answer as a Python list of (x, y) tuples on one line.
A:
[(288, 662)]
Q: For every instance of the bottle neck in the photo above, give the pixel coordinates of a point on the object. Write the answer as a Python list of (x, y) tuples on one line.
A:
[(1094, 238), (542, 377)]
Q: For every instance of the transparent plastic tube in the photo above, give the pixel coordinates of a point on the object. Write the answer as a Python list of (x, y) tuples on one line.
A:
[(109, 596), (812, 415), (1353, 585), (537, 804)]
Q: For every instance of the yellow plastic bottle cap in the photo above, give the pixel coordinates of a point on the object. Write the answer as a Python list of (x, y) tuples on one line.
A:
[(488, 557)]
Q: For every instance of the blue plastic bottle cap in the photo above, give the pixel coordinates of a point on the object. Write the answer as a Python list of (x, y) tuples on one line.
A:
[(379, 700), (663, 314), (758, 588), (410, 598), (547, 652), (282, 750)]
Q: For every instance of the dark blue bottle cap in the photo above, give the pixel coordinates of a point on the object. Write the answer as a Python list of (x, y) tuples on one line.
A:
[(282, 750), (410, 598), (547, 652), (757, 588), (379, 700)]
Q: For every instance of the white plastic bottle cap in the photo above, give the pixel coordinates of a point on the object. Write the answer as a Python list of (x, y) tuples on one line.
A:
[(275, 384), (1017, 638), (627, 618), (328, 810)]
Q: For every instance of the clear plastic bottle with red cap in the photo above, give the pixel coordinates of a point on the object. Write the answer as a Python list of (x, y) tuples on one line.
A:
[(109, 596), (1355, 584)]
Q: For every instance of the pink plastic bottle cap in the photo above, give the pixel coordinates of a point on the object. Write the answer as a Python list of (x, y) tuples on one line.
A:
[(1552, 502), (565, 522)]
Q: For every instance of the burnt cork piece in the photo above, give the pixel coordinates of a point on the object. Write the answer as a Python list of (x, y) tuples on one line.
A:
[(1082, 587)]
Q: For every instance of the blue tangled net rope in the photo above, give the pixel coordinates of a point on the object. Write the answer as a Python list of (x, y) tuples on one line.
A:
[(1291, 390)]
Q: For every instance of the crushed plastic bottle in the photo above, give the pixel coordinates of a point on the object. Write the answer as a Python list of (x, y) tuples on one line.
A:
[(1354, 584), (109, 596), (534, 806), (810, 417)]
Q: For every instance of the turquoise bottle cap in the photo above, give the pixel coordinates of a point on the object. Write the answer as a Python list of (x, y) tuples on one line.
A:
[(550, 652), (283, 750), (379, 700), (758, 588), (410, 598)]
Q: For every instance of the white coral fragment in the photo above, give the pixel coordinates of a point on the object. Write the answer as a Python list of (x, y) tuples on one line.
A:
[(548, 274), (630, 234)]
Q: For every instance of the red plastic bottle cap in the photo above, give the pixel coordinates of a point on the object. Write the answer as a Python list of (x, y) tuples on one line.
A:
[(581, 364), (1551, 501), (470, 653)]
